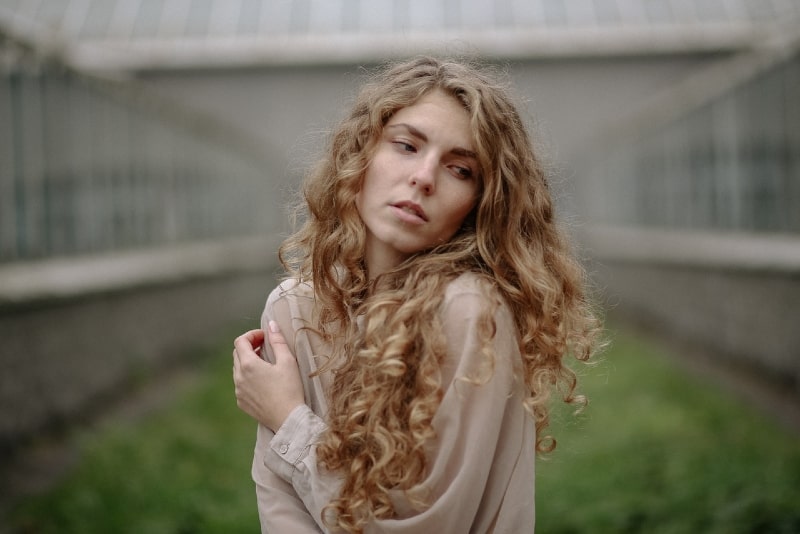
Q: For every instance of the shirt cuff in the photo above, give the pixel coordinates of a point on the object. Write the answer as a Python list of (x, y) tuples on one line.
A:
[(291, 443)]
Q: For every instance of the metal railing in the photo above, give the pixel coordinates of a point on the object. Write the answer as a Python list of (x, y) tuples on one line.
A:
[(90, 165)]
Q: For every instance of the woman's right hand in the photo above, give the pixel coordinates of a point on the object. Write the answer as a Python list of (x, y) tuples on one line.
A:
[(265, 391)]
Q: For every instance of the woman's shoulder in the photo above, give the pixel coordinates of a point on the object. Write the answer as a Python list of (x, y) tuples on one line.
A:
[(474, 312), (291, 296), (471, 288), (470, 295), (292, 289)]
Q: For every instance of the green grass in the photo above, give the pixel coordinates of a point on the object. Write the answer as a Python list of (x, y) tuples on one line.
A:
[(656, 451), (184, 470), (659, 451)]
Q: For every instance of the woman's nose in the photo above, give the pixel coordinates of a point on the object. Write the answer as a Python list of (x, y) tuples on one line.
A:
[(424, 177)]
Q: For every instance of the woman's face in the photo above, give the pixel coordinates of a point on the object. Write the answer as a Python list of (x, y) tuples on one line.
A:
[(421, 183)]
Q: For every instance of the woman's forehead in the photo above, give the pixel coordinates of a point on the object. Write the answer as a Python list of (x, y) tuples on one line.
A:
[(435, 115)]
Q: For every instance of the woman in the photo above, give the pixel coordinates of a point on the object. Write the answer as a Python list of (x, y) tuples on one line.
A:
[(432, 300)]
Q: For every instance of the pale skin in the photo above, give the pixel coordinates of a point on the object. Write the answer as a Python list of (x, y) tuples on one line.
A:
[(418, 189)]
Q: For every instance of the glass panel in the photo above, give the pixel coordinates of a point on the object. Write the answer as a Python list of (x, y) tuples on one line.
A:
[(98, 19), (197, 18), (730, 164), (148, 18)]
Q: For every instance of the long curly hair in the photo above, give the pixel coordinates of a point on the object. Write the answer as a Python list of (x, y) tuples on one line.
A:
[(386, 337)]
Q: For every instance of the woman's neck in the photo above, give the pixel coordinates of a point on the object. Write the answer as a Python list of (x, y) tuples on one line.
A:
[(379, 262)]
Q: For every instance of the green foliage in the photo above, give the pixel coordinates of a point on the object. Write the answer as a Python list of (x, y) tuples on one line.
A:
[(185, 470), (656, 451)]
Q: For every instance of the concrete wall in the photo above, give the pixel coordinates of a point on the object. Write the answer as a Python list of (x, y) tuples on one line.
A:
[(734, 298), (72, 343), (749, 320)]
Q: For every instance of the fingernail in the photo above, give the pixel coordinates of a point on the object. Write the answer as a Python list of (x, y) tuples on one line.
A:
[(273, 327)]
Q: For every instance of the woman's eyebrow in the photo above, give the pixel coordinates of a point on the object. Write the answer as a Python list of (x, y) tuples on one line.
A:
[(411, 129), (464, 153), (458, 151)]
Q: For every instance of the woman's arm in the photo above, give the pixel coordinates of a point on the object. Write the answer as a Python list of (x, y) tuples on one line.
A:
[(279, 507), (484, 440), (279, 455)]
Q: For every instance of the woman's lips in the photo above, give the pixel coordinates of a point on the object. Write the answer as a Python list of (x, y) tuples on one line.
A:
[(409, 212)]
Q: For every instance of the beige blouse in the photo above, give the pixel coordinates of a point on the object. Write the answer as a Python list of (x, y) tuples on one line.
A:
[(481, 465)]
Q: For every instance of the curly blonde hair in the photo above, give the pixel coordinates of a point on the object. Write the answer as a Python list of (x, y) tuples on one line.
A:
[(386, 385)]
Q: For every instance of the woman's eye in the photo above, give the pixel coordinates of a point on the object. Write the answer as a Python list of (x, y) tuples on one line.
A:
[(464, 172), (405, 147)]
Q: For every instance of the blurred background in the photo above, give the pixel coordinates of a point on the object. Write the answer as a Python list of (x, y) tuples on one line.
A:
[(149, 150)]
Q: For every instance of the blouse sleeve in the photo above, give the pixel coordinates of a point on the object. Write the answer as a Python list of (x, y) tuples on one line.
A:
[(280, 509), (463, 490)]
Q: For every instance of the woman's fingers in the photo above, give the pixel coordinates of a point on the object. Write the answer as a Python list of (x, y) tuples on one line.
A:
[(278, 343), (251, 340), (285, 362), (267, 392)]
